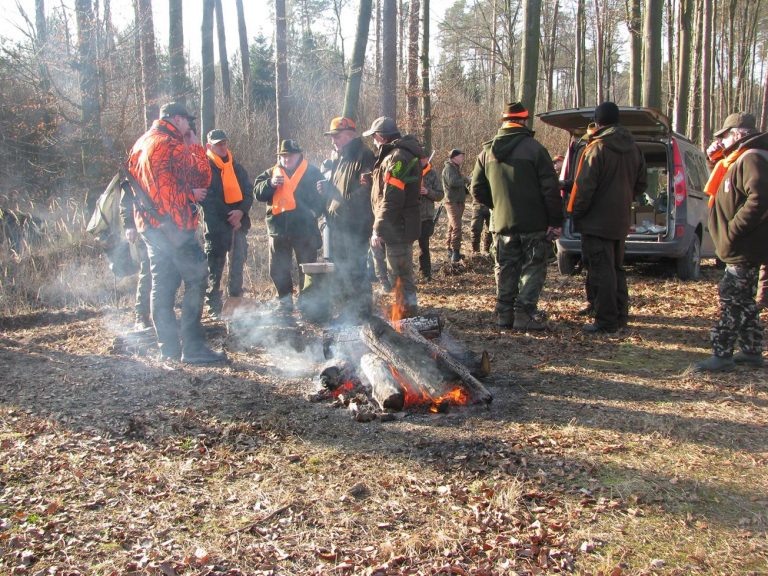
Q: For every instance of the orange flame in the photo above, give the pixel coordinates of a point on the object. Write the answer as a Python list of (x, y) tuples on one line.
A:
[(398, 309), (347, 386), (414, 397)]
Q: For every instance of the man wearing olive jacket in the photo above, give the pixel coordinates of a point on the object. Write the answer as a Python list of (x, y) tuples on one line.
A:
[(610, 174), (395, 198), (738, 222), (514, 177)]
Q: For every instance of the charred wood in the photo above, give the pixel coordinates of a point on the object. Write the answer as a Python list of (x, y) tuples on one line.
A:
[(385, 389)]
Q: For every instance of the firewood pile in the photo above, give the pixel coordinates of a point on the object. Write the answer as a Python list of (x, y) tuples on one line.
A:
[(382, 367)]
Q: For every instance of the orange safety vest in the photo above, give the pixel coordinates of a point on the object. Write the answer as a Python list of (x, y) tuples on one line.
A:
[(284, 199)]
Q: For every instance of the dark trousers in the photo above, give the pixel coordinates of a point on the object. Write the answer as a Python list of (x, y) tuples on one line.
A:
[(352, 287), (425, 259), (481, 218), (220, 246), (281, 252), (739, 318), (144, 284), (170, 266), (606, 280), (762, 286)]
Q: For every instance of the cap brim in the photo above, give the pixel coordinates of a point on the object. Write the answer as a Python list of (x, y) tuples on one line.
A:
[(217, 141), (721, 133), (369, 132)]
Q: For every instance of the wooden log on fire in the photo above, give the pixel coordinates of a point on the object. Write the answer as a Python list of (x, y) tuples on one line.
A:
[(430, 369), (346, 340), (385, 389)]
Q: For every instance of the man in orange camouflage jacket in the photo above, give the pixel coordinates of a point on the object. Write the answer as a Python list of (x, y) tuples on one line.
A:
[(171, 167)]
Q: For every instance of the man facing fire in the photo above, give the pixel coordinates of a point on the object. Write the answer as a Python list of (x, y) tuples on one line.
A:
[(348, 214), (293, 206)]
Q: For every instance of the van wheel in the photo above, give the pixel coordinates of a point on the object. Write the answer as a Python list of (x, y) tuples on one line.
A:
[(689, 265), (566, 263)]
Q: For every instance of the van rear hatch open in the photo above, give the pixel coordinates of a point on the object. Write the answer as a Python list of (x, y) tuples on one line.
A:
[(642, 122)]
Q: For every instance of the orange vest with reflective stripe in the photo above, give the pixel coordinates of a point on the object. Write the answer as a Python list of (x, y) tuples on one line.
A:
[(284, 200)]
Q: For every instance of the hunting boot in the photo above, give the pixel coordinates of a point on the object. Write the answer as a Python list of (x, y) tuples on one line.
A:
[(747, 359), (525, 321), (143, 323), (715, 364), (505, 319)]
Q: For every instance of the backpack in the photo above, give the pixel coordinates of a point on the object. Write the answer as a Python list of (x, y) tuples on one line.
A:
[(106, 226)]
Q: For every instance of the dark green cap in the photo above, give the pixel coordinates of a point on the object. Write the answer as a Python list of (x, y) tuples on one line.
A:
[(216, 136), (172, 109), (289, 147)]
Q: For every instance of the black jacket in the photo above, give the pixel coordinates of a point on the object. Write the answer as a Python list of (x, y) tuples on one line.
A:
[(612, 173), (215, 210)]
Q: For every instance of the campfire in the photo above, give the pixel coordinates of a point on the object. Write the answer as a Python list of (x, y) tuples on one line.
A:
[(401, 367)]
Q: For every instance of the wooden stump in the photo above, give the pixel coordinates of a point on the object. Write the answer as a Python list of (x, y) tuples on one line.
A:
[(385, 389)]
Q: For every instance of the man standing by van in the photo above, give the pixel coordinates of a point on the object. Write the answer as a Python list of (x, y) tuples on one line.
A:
[(738, 221), (514, 177), (611, 172)]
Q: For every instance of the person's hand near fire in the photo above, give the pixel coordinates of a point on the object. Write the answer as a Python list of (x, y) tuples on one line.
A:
[(376, 240)]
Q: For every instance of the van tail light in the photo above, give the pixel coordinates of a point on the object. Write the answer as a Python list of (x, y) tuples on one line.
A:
[(678, 175), (679, 231)]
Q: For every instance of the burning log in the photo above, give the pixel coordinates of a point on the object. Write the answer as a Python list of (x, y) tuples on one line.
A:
[(428, 326), (386, 390), (479, 392), (431, 371)]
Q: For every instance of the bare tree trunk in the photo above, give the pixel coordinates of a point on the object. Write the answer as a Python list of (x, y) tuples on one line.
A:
[(223, 57), (578, 66), (694, 111), (176, 52), (208, 74), (378, 42), (599, 53), (706, 72), (494, 55), (671, 58), (764, 108), (652, 63), (426, 99), (281, 73), (682, 93), (357, 65), (41, 30), (529, 69), (245, 63), (412, 98), (389, 59), (149, 69), (634, 24)]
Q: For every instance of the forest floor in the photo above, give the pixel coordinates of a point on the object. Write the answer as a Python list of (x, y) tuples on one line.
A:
[(598, 455)]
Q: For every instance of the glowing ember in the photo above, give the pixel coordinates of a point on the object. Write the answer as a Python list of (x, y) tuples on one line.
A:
[(413, 397), (347, 386)]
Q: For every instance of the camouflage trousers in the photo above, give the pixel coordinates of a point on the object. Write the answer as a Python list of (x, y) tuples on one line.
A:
[(521, 268), (739, 318)]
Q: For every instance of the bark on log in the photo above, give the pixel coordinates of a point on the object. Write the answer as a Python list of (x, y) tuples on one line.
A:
[(478, 392), (384, 388), (427, 367)]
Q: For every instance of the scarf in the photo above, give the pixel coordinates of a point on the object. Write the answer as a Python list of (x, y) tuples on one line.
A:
[(284, 199), (719, 172), (232, 192), (592, 131)]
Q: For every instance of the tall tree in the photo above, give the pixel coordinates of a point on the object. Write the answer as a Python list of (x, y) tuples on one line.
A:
[(244, 53), (208, 74), (529, 68), (412, 98), (223, 58), (694, 110), (356, 66), (652, 64), (706, 71), (389, 58), (149, 70), (634, 23), (88, 72), (176, 51), (682, 92), (41, 30), (600, 65), (550, 57), (281, 72), (426, 99), (579, 90)]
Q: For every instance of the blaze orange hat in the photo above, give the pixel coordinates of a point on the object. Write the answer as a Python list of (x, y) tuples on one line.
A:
[(340, 124)]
